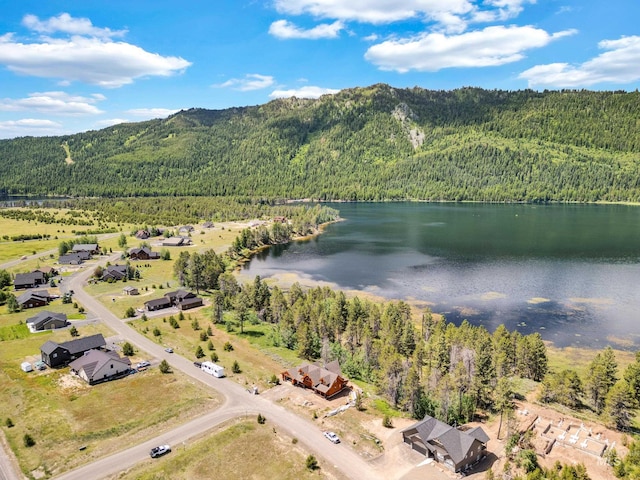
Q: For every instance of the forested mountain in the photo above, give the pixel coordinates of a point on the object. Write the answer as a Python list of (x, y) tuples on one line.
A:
[(374, 143)]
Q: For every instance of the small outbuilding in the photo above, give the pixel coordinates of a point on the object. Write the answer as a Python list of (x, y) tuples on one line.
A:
[(129, 290), (26, 367)]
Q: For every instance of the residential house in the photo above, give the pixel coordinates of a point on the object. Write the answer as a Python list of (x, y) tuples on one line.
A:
[(91, 248), (47, 321), (458, 450), (60, 354), (176, 242), (128, 290), (48, 271), (157, 304), (326, 381), (34, 298), (74, 258), (114, 272), (207, 225), (186, 228), (143, 234), (280, 220), (180, 298), (29, 280), (143, 253), (97, 366)]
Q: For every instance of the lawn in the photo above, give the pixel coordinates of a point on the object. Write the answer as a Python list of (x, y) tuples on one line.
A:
[(61, 413), (243, 450)]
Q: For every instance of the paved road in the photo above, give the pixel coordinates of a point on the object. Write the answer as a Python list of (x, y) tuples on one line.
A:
[(237, 402), (8, 468)]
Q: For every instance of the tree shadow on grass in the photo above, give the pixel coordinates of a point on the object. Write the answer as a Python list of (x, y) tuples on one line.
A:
[(252, 333)]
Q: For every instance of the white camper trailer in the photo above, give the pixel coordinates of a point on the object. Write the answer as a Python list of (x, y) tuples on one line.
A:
[(26, 367), (213, 369)]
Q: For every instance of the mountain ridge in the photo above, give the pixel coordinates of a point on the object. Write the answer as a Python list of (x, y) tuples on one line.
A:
[(370, 143)]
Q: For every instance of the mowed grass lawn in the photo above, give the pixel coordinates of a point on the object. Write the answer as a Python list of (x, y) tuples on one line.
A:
[(62, 413), (242, 451)]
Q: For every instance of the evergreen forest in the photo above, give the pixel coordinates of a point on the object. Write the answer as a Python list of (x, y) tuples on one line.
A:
[(376, 143)]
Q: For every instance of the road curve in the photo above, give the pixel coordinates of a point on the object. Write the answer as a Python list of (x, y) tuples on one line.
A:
[(238, 402)]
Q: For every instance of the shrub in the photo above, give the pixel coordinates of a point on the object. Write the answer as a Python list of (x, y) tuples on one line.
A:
[(127, 349), (235, 368), (74, 331), (165, 367), (311, 463), (195, 325), (203, 336), (9, 423), (274, 379), (386, 422), (227, 347), (209, 331), (173, 322), (156, 332), (261, 419), (210, 345), (214, 357), (130, 313), (199, 352), (28, 440)]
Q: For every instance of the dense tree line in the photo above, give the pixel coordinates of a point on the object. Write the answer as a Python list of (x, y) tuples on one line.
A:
[(374, 143), (421, 366)]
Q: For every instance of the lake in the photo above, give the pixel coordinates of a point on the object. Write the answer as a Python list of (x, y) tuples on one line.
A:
[(570, 272)]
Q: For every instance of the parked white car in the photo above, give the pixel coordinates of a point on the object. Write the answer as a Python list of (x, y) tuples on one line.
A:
[(332, 437), (143, 364), (159, 451)]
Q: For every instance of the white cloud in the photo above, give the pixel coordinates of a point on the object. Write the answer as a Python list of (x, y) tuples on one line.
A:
[(88, 59), (152, 112), (109, 122), (491, 46), (451, 15), (287, 30), (58, 103), (303, 92), (619, 64), (65, 23), (29, 127), (252, 81)]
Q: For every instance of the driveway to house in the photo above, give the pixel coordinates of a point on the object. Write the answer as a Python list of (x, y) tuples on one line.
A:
[(238, 402), (9, 469)]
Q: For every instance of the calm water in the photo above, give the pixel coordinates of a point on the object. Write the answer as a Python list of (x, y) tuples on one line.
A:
[(570, 272)]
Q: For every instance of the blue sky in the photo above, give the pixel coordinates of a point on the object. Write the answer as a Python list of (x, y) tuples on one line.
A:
[(70, 66)]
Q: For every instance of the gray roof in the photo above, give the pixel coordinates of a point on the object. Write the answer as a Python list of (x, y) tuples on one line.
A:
[(48, 347), (35, 294), (85, 247), (28, 278), (85, 343), (45, 316), (157, 301), (455, 442), (93, 360)]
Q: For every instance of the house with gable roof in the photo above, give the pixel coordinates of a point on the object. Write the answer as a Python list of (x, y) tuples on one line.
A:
[(29, 280), (59, 354), (326, 381), (97, 366), (46, 321), (34, 298), (456, 449)]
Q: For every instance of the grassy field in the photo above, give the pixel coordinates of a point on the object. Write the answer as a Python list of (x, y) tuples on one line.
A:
[(62, 413), (245, 450)]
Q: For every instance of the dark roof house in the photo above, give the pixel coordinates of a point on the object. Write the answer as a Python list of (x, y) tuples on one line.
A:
[(92, 248), (326, 381), (176, 241), (157, 304), (456, 449), (29, 280), (59, 354), (34, 298), (47, 321), (74, 258), (143, 253), (114, 272), (97, 366)]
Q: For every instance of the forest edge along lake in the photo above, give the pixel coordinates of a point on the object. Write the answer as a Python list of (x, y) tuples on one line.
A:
[(569, 272)]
